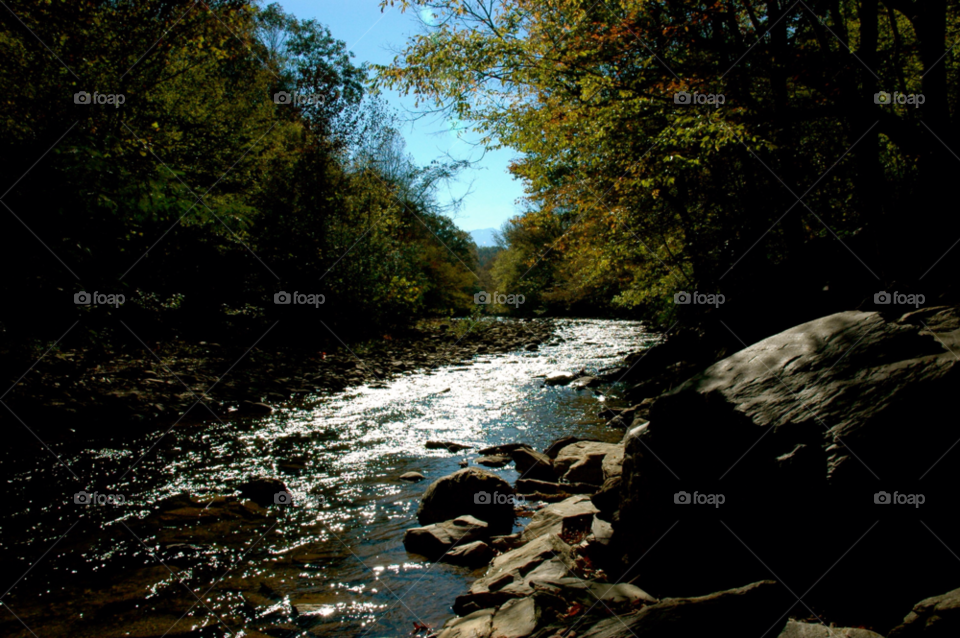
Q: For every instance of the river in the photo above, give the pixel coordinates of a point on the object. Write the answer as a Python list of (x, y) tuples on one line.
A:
[(337, 554)]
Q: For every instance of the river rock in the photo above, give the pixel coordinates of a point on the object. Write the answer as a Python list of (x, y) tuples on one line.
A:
[(434, 540), (751, 610), (446, 445), (551, 519), (493, 461), (513, 574), (559, 378), (470, 491), (502, 450), (585, 382), (554, 448), (588, 592), (516, 618), (413, 477), (533, 465), (582, 462), (936, 617), (533, 486), (612, 465), (478, 624), (796, 629), (475, 554), (813, 414)]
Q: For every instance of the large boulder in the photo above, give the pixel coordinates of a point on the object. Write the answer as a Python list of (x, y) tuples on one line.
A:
[(582, 462), (935, 617), (470, 491), (794, 429)]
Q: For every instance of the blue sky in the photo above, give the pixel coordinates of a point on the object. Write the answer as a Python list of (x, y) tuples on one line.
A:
[(374, 36)]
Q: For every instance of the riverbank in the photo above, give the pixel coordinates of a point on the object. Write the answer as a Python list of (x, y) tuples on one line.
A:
[(164, 383), (779, 491)]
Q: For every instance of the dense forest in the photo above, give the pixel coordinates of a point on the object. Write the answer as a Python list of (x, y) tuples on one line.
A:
[(767, 151), (238, 156)]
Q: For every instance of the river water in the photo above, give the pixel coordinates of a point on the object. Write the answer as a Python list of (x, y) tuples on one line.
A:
[(337, 554)]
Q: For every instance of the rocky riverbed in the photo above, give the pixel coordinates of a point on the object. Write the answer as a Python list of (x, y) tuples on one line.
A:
[(200, 511), (778, 492), (802, 486)]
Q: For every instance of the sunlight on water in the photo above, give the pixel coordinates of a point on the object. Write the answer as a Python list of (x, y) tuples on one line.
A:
[(337, 552)]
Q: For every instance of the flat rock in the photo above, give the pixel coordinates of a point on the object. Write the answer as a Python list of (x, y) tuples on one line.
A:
[(550, 520), (796, 629), (516, 618), (413, 477), (582, 462), (512, 574), (752, 610), (588, 592), (478, 624), (554, 448), (493, 461), (433, 541)]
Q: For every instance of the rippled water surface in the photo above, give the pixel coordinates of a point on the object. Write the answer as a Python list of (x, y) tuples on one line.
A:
[(338, 552)]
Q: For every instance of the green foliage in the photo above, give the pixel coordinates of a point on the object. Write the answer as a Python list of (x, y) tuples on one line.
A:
[(201, 194), (633, 197)]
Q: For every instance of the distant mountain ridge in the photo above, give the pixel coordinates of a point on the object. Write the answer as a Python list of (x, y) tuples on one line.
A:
[(484, 236)]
